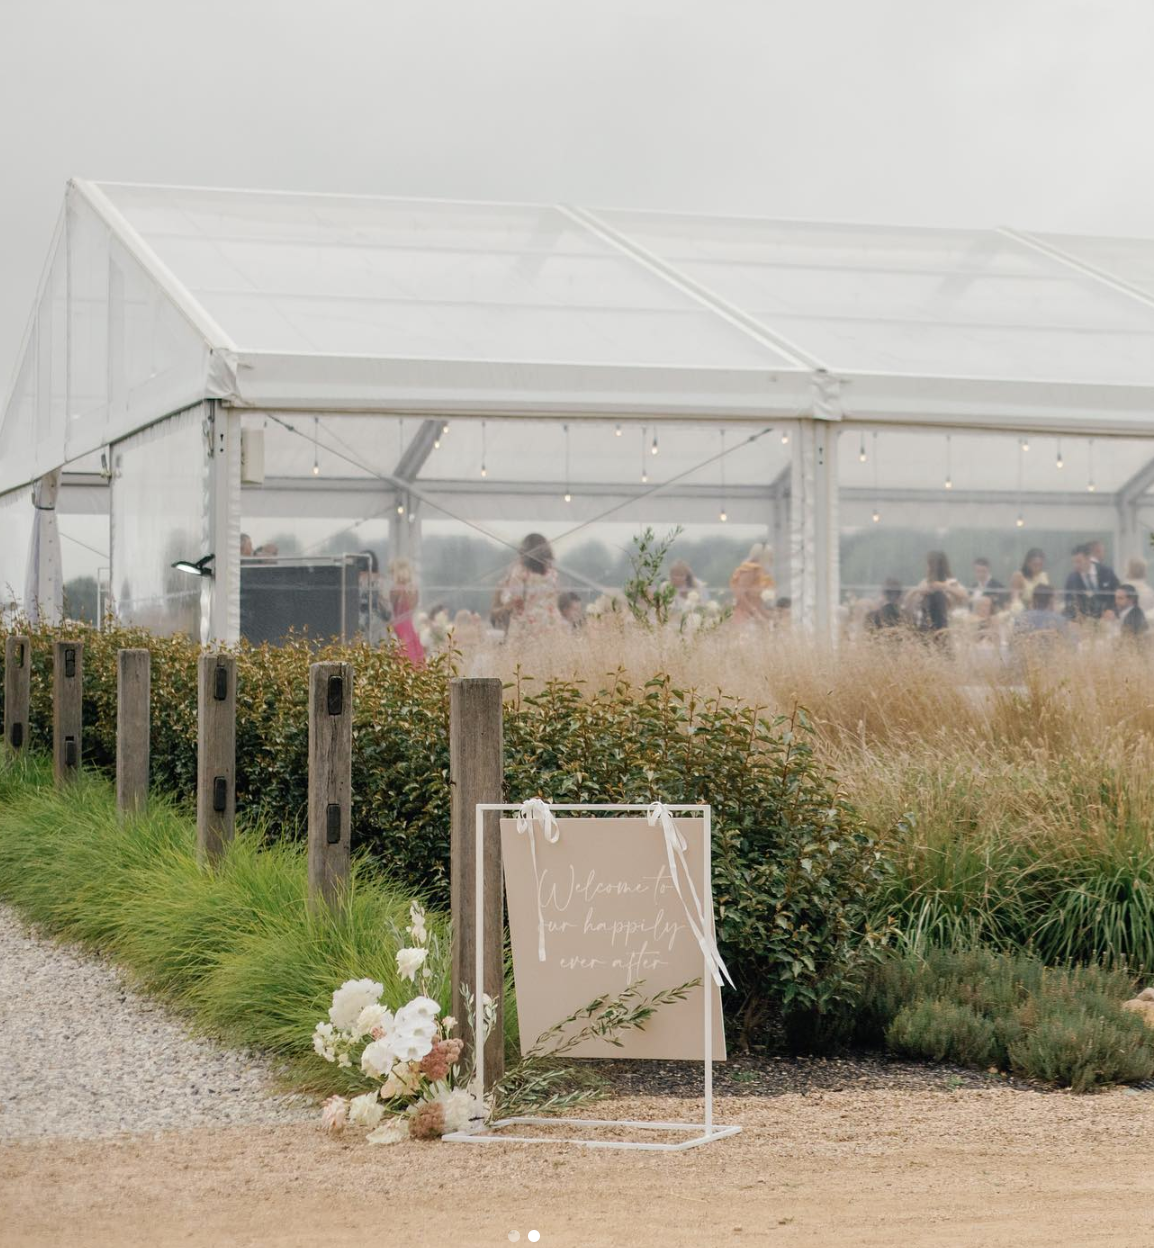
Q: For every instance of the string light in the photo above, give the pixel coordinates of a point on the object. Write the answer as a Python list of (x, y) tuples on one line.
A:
[(316, 450), (1090, 482), (861, 455), (1061, 463), (400, 509), (1023, 446), (949, 472), (722, 515), (644, 470), (877, 515), (653, 448), (785, 437), (617, 430), (484, 470), (568, 495)]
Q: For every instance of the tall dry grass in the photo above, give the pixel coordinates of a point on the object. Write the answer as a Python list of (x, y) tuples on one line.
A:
[(1015, 797)]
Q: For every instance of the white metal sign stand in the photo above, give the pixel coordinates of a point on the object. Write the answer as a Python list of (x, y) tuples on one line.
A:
[(702, 1132)]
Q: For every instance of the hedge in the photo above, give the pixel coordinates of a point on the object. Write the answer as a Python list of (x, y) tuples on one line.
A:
[(793, 862)]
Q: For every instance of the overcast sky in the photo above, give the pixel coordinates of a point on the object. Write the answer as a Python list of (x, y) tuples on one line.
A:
[(1035, 113)]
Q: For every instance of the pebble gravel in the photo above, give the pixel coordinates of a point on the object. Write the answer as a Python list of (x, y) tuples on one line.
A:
[(83, 1055)]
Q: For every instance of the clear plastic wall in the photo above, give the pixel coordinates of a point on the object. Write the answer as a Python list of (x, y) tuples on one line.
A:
[(16, 515), (159, 515)]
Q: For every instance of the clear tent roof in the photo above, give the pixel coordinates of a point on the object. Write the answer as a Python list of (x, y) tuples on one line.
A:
[(157, 297)]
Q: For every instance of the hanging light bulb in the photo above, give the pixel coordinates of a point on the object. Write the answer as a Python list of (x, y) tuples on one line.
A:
[(722, 515), (653, 448), (568, 494), (400, 509), (1090, 481), (785, 437), (444, 429), (568, 498), (949, 468), (617, 430), (1025, 444), (1060, 461), (644, 469), (437, 443), (316, 452), (1021, 520), (876, 517), (861, 454), (484, 470)]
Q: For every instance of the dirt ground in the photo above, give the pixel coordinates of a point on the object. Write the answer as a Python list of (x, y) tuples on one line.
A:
[(971, 1167)]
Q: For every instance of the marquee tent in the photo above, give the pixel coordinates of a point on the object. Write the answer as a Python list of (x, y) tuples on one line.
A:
[(202, 361)]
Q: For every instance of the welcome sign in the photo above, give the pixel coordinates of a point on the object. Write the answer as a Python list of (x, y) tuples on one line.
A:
[(596, 904)]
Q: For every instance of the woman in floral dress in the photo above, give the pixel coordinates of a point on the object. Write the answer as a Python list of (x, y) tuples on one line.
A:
[(528, 592)]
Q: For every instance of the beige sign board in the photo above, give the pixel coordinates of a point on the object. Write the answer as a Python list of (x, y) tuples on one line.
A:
[(611, 916)]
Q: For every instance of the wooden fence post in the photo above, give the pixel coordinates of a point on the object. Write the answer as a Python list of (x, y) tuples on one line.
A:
[(17, 687), (133, 696), (215, 754), (476, 774), (330, 780), (67, 709)]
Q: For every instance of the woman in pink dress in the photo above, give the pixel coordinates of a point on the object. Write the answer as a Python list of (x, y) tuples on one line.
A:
[(403, 598), (527, 596)]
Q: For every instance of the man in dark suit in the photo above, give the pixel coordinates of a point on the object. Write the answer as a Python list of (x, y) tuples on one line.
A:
[(1082, 600), (1131, 618), (986, 586), (1104, 581)]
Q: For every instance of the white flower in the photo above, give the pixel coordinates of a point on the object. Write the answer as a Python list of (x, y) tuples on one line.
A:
[(714, 608), (417, 931), (767, 597), (410, 960), (333, 1114), (692, 598), (378, 1058), (366, 1110), (404, 1079), (351, 998), (412, 1042), (391, 1132), (370, 1017), (448, 1023), (463, 1111), (323, 1042), (418, 1007)]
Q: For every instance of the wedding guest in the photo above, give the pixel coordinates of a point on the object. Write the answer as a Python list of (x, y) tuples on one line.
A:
[(1132, 622), (752, 584), (690, 592), (1017, 596), (245, 546), (889, 612), (1103, 579), (529, 590), (930, 602), (404, 598), (374, 615), (1136, 576), (572, 609), (1040, 624), (270, 550), (985, 586), (1033, 573), (1082, 601)]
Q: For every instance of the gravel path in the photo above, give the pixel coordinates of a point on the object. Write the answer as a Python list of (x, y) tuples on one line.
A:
[(83, 1055)]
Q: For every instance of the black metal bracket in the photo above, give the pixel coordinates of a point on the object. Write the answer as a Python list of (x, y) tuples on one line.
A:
[(220, 685), (69, 661), (69, 751), (17, 735), (336, 696), (333, 820), (219, 794)]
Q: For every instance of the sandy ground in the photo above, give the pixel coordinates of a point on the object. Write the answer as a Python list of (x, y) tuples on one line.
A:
[(970, 1167)]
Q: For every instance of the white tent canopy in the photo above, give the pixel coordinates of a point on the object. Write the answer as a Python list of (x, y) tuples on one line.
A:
[(160, 300)]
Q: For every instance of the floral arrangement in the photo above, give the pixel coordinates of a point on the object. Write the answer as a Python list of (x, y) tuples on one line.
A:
[(410, 1059)]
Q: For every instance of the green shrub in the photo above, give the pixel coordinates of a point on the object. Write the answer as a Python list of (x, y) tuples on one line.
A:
[(943, 1031), (1061, 1025), (793, 866)]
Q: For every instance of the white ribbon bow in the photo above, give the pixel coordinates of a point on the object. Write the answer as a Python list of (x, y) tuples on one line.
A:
[(675, 846), (536, 810)]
